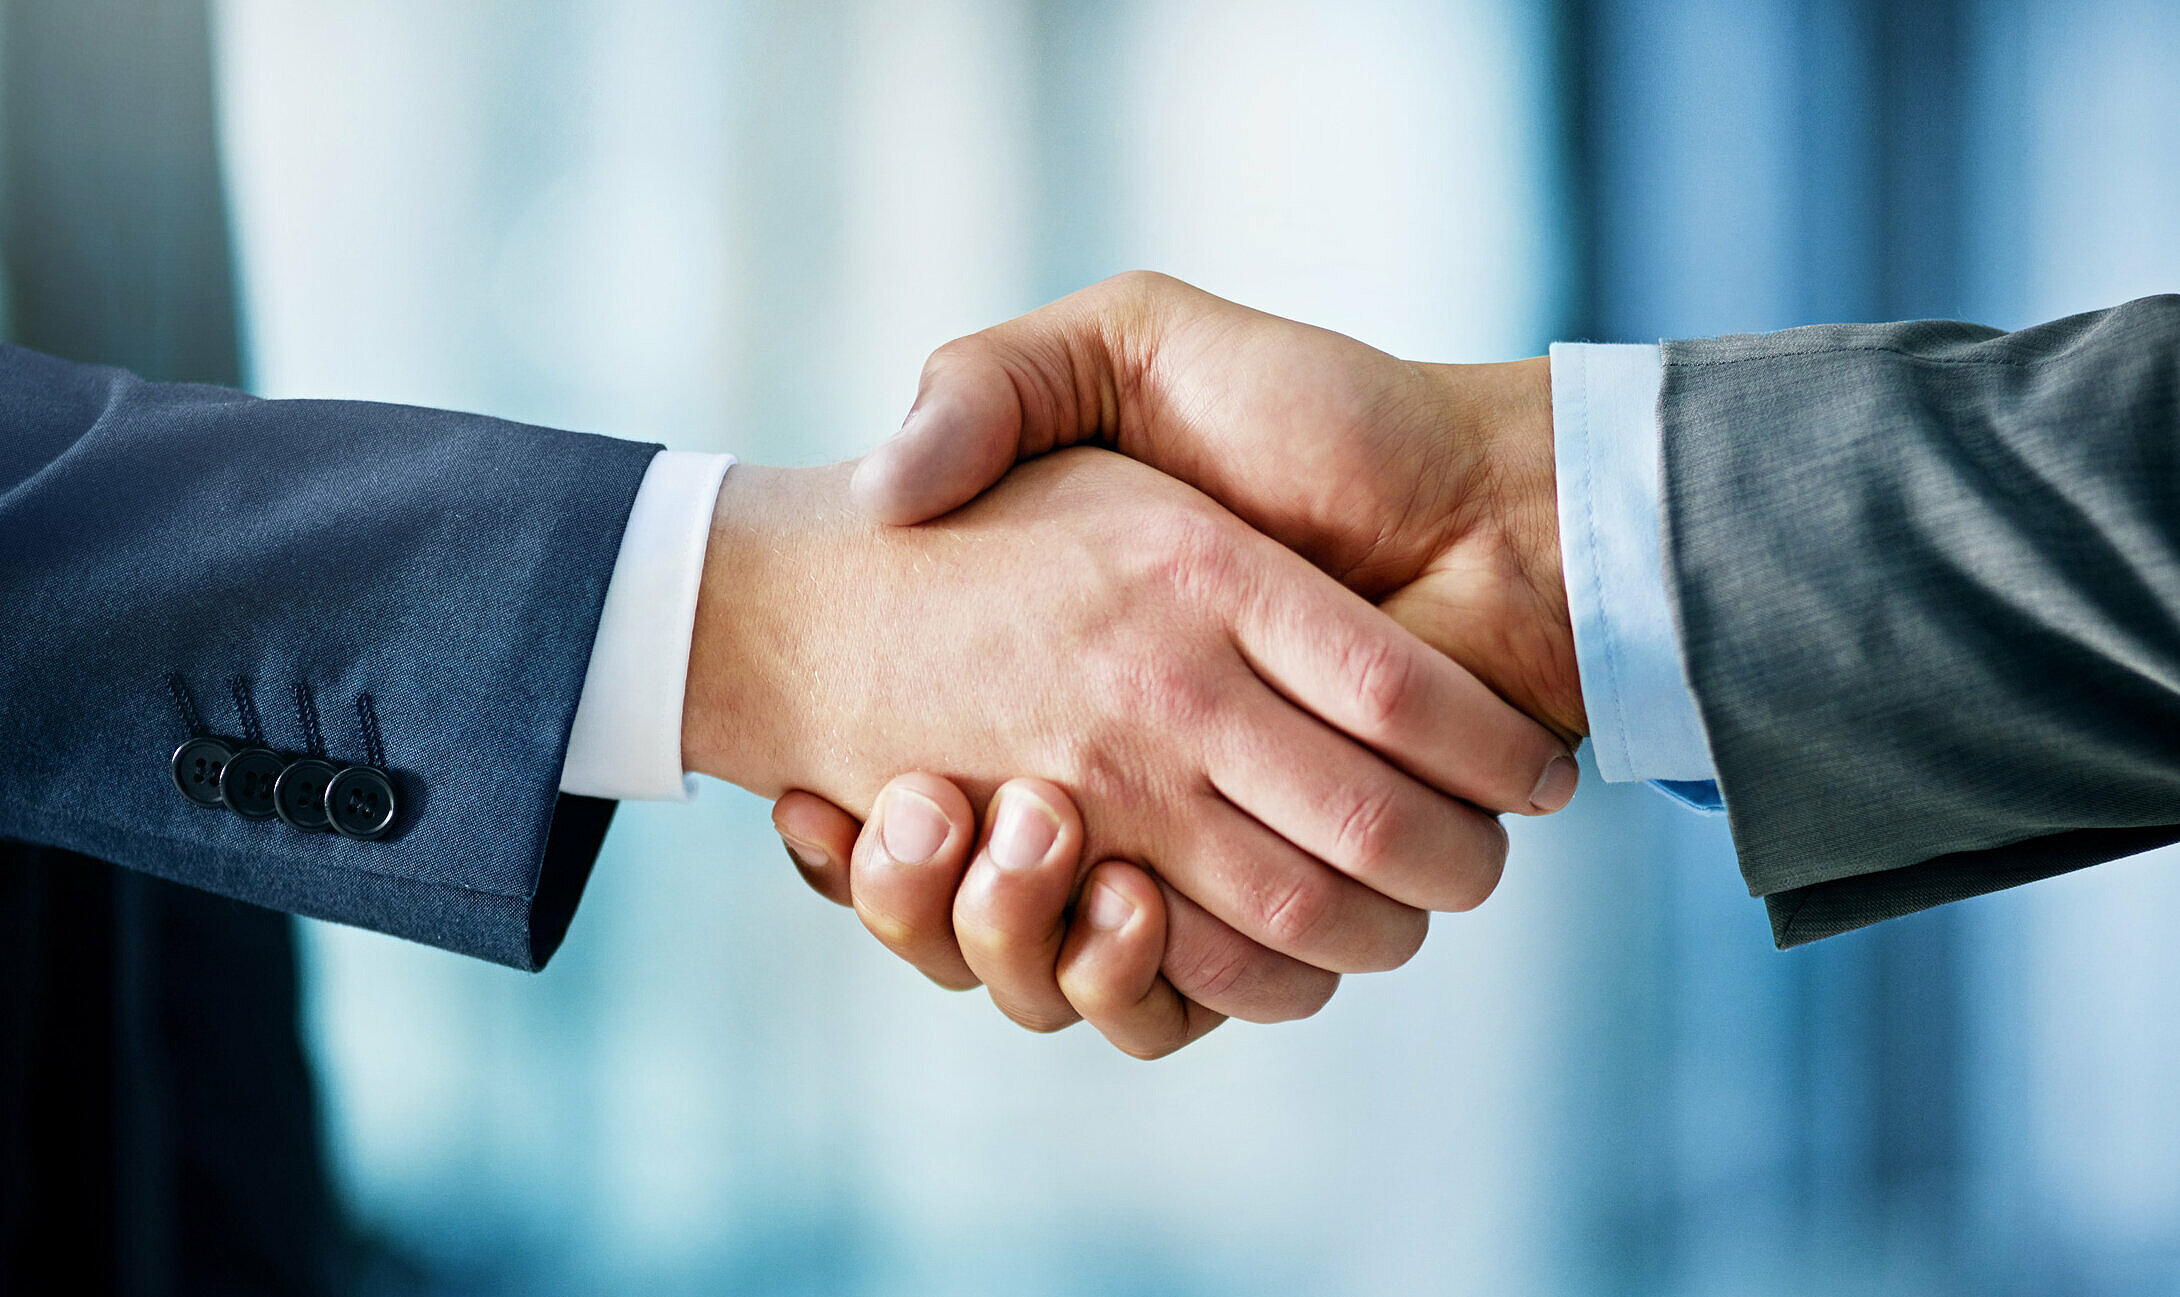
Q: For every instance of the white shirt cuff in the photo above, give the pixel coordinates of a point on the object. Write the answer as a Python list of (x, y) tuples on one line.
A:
[(1643, 718), (626, 743)]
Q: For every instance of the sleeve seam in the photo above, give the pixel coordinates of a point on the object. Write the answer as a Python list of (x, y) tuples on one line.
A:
[(1672, 360)]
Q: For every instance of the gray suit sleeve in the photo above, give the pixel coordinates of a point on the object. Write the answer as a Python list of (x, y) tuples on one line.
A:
[(1927, 580)]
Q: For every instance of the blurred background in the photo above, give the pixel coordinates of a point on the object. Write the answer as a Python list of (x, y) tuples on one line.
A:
[(740, 226)]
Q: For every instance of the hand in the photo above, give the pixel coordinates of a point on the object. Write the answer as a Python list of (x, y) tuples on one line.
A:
[(1009, 923), (1100, 625), (1426, 488)]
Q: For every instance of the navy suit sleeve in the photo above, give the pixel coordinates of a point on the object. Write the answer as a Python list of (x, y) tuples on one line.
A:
[(179, 558)]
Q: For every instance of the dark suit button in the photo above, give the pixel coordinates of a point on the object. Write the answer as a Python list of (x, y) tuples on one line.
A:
[(299, 794), (197, 767), (360, 802), (247, 787)]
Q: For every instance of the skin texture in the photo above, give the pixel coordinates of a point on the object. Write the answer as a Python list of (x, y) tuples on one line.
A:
[(1024, 934), (1425, 488), (1207, 699)]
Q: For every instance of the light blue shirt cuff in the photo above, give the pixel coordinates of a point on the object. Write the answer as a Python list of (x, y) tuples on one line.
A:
[(1643, 719)]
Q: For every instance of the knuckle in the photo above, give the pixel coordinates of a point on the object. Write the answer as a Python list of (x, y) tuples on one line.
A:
[(1172, 694), (1139, 285), (1381, 679), (1194, 555), (1209, 971), (1043, 1021), (1093, 996), (1011, 942), (1151, 1051), (900, 937), (1095, 770), (931, 951), (1298, 912), (1368, 832), (969, 347)]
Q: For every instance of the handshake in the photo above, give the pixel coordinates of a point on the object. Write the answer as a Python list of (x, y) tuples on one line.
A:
[(1270, 672)]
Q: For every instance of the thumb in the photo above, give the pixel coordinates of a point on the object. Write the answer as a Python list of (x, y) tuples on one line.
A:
[(962, 435), (1040, 381)]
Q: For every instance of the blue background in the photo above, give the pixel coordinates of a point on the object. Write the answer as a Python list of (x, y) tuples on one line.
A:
[(740, 226)]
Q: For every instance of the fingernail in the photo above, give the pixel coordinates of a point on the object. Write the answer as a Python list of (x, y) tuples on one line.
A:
[(802, 853), (914, 828), (1556, 788), (1023, 832), (1107, 909)]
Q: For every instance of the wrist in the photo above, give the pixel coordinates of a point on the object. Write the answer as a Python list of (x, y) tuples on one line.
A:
[(1506, 538), (749, 701)]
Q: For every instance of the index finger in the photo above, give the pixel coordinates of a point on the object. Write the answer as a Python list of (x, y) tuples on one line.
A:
[(1327, 650)]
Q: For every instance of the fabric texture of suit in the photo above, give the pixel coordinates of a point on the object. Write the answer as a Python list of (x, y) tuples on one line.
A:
[(183, 554), (1927, 580), (159, 1130)]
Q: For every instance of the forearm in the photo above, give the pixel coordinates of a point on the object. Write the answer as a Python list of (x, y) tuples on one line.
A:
[(439, 572), (823, 641), (1928, 576), (773, 626)]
